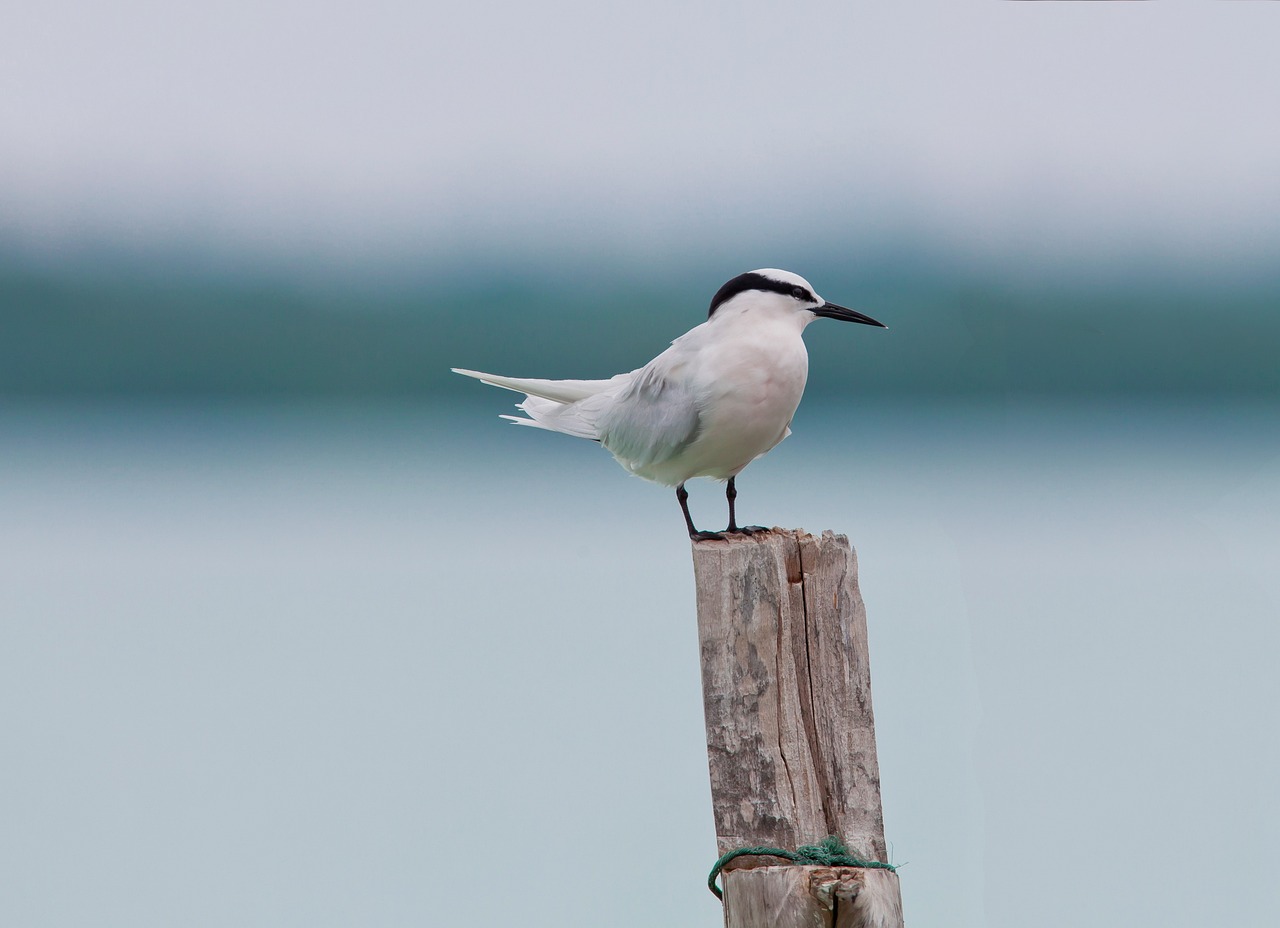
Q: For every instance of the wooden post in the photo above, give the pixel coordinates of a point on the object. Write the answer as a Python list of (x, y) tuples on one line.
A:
[(790, 732)]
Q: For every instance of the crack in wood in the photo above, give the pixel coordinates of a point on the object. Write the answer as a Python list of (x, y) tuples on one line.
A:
[(801, 714), (779, 651), (826, 807)]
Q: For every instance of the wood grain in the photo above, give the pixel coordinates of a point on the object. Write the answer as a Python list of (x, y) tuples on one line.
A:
[(787, 694), (812, 897)]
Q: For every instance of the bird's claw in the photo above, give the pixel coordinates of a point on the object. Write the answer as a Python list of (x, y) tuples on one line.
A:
[(707, 536), (732, 530)]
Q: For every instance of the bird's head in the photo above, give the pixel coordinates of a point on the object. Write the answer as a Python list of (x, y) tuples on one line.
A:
[(770, 290)]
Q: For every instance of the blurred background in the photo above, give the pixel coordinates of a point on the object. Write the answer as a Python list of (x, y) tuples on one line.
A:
[(293, 631)]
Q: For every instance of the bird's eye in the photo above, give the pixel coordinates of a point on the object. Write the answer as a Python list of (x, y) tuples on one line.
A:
[(800, 293)]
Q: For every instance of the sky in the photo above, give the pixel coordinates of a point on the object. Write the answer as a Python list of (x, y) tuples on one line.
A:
[(433, 132)]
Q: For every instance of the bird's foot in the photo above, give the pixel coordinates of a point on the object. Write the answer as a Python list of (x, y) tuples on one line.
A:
[(706, 536), (749, 530)]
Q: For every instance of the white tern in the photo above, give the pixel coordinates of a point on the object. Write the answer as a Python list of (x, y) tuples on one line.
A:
[(721, 396)]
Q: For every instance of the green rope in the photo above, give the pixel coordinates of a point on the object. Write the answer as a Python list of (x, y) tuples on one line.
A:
[(829, 852)]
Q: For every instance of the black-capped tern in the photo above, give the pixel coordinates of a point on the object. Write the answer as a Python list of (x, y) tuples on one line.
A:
[(721, 396)]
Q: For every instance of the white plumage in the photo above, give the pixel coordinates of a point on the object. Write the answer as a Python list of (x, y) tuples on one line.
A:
[(722, 395)]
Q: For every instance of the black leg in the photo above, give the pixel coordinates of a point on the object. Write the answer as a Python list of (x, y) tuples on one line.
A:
[(731, 494), (683, 495)]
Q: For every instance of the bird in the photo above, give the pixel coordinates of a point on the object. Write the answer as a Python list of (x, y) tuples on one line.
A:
[(721, 396)]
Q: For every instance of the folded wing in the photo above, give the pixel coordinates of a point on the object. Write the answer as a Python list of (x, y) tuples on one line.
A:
[(651, 421)]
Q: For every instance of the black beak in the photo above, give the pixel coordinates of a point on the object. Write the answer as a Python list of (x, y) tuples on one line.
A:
[(832, 311)]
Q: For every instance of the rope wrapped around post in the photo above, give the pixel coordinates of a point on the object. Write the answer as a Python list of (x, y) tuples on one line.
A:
[(830, 852)]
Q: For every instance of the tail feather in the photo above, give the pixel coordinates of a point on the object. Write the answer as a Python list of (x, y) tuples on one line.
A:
[(569, 406), (559, 391)]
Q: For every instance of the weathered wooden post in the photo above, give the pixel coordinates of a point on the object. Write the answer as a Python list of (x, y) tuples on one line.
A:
[(790, 732)]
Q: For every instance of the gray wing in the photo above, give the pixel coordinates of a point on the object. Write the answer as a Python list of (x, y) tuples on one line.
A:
[(653, 420)]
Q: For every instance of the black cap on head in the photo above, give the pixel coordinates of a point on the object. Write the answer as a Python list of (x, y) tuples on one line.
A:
[(753, 280)]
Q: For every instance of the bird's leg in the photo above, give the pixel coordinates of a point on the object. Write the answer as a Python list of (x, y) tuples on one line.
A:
[(731, 494), (683, 495)]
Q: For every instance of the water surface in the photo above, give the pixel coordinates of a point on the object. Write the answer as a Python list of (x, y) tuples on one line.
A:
[(380, 665)]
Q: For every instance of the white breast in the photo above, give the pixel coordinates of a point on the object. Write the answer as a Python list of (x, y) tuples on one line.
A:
[(748, 379)]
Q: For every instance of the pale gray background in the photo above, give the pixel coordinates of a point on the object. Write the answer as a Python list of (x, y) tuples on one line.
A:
[(270, 662), (353, 127)]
